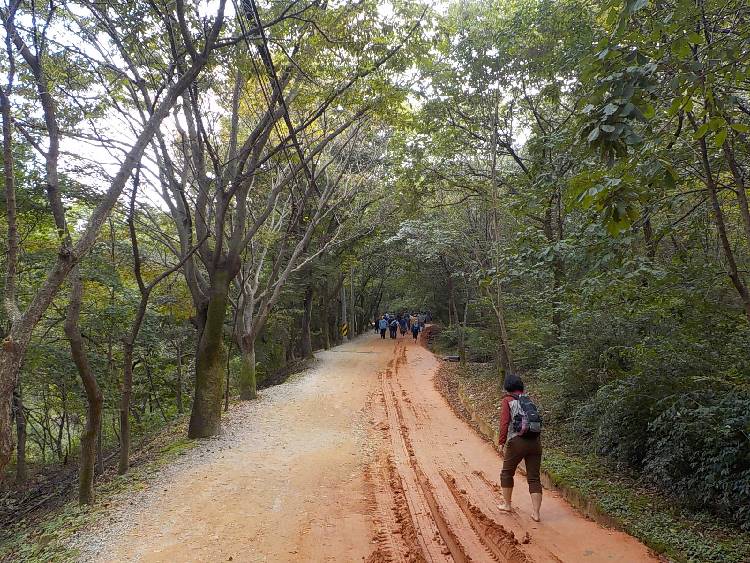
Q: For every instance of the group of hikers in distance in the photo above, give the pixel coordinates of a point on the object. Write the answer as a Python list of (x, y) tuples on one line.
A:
[(402, 322)]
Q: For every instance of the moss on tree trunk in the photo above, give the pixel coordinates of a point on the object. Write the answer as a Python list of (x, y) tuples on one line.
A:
[(88, 451), (205, 418)]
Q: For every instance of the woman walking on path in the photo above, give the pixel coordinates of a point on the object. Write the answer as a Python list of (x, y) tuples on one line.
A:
[(520, 427)]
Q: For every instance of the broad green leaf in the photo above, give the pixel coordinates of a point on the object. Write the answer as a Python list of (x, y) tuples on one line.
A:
[(633, 139), (675, 107), (611, 109), (720, 137), (716, 123), (701, 132)]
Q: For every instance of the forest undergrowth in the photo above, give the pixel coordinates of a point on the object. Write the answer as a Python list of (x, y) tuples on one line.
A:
[(43, 535)]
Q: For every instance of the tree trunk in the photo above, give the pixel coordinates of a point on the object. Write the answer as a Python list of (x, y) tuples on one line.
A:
[(740, 183), (558, 271), (251, 324), (344, 319), (58, 441), (20, 414), (99, 453), (734, 273), (127, 389), (335, 332), (11, 263), (558, 276), (11, 354), (325, 322), (205, 418), (462, 339), (456, 318), (306, 346), (152, 388), (93, 393), (352, 312), (130, 339), (248, 374), (59, 437), (452, 308), (648, 237), (506, 362), (178, 390), (506, 366)]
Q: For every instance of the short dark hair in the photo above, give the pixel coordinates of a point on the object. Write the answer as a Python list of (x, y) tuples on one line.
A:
[(513, 383)]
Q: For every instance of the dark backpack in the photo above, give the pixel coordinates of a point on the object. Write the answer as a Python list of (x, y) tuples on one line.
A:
[(526, 419)]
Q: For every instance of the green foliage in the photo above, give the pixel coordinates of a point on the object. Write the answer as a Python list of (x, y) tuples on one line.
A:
[(540, 168), (48, 539), (645, 386), (46, 542), (647, 515), (480, 346), (699, 449)]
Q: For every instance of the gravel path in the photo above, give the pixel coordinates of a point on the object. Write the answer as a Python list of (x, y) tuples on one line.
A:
[(263, 453)]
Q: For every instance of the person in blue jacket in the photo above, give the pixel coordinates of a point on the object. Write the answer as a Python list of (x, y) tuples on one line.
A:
[(383, 326)]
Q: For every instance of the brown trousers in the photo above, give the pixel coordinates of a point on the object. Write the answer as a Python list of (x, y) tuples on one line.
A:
[(529, 450)]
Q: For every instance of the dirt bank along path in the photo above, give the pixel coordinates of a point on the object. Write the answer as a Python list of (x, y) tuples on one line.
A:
[(358, 459)]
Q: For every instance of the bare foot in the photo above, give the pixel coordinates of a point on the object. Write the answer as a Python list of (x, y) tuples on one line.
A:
[(535, 517), (505, 507)]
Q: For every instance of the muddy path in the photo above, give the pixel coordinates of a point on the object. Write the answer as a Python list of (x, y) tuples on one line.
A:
[(358, 459)]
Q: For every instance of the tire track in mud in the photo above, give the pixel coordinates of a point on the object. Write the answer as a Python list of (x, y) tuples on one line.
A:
[(413, 513), (448, 479), (434, 544), (502, 543), (395, 534), (495, 488), (448, 536)]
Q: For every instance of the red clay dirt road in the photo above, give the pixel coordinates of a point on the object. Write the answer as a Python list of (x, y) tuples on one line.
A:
[(359, 459)]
